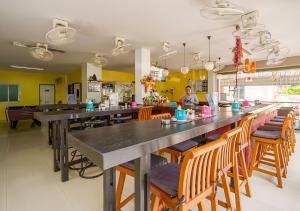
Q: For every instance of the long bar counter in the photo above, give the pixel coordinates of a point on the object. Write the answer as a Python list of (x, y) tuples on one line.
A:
[(109, 147)]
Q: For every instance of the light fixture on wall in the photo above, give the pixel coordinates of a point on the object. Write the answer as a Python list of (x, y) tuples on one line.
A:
[(209, 65), (184, 70)]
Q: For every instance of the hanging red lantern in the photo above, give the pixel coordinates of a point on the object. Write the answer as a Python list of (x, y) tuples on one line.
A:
[(253, 67), (247, 65)]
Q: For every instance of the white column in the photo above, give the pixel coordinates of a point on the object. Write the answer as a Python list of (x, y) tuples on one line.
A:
[(142, 68), (212, 82), (88, 69)]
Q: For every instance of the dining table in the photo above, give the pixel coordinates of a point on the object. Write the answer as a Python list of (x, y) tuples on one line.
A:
[(58, 122)]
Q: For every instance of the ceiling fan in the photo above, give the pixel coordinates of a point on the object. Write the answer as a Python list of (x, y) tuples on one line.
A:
[(61, 33), (121, 47), (265, 42), (277, 55), (219, 10), (250, 28), (39, 51), (166, 47), (99, 60)]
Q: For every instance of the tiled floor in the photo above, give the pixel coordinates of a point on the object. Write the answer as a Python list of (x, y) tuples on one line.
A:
[(27, 182)]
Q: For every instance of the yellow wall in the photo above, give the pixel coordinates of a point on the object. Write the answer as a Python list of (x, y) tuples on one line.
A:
[(178, 81), (29, 84), (117, 76), (107, 76), (29, 87), (175, 80)]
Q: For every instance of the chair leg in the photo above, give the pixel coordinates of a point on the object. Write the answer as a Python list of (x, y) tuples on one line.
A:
[(119, 191), (154, 203), (236, 186), (226, 189), (278, 167), (282, 159), (214, 202), (201, 206), (245, 173), (253, 159)]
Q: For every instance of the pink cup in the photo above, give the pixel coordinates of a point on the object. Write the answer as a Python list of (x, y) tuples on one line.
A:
[(133, 104)]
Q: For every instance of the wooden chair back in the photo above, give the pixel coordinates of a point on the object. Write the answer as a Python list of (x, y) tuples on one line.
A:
[(246, 125), (198, 173), (145, 113), (227, 152)]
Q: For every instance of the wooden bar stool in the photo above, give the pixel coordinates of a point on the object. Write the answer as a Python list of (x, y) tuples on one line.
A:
[(228, 167), (242, 144), (271, 143), (128, 169), (144, 113), (182, 187)]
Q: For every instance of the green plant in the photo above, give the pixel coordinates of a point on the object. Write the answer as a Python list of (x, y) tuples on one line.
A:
[(294, 90)]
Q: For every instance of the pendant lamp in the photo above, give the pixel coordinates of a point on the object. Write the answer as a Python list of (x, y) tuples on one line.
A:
[(209, 65), (184, 70)]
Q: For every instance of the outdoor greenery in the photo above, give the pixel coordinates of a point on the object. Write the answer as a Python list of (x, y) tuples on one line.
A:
[(294, 90)]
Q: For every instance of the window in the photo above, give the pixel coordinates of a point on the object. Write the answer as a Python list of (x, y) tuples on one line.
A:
[(267, 93), (9, 93)]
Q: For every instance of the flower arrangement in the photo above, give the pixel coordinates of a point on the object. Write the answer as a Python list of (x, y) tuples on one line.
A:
[(155, 98), (148, 82)]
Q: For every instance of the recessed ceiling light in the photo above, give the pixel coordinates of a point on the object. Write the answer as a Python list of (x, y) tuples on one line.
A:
[(27, 68)]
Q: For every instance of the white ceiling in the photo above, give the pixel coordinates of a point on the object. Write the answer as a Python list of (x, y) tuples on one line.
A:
[(145, 23)]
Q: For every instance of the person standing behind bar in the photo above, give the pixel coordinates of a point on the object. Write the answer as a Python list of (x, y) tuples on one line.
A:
[(189, 99)]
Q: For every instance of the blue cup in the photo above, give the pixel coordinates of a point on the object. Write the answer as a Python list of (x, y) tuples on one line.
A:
[(180, 114)]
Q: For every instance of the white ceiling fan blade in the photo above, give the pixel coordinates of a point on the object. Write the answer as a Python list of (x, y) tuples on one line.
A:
[(166, 55), (19, 44)]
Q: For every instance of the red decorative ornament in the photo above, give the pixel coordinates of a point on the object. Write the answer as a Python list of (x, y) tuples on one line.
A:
[(238, 51)]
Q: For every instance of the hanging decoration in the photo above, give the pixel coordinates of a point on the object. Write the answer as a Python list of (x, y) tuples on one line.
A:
[(248, 79), (247, 65), (202, 78), (237, 51), (184, 69), (253, 67), (148, 82)]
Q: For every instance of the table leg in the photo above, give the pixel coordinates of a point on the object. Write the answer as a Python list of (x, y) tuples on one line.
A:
[(64, 157), (50, 133), (234, 125), (55, 146), (142, 183), (109, 189)]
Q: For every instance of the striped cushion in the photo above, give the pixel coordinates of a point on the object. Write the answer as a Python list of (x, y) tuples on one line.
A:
[(166, 178), (267, 134), (274, 123), (269, 128), (277, 120), (156, 161), (213, 137), (184, 146)]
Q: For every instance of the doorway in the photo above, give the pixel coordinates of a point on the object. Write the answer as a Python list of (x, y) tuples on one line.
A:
[(47, 94)]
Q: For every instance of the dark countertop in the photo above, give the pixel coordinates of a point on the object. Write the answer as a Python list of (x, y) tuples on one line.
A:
[(80, 113), (111, 146)]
